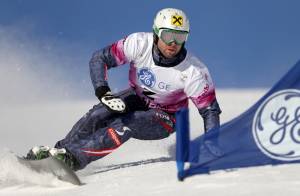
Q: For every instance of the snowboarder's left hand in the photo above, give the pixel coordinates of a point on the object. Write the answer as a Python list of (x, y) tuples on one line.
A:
[(113, 103)]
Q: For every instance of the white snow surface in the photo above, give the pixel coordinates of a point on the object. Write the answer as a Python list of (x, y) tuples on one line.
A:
[(142, 170)]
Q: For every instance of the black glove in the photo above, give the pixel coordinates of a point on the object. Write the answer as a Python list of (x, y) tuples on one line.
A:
[(112, 102)]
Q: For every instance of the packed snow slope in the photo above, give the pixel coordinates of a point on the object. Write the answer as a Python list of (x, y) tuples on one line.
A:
[(137, 167)]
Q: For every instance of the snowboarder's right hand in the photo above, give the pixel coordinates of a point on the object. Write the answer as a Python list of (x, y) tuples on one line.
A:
[(113, 103)]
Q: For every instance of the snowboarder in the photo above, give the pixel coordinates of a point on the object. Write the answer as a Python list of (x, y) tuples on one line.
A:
[(162, 77)]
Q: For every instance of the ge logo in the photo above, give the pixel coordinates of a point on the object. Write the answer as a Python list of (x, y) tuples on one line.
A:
[(276, 125), (146, 77)]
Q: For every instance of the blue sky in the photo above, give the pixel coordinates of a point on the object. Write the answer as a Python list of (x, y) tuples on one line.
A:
[(245, 43)]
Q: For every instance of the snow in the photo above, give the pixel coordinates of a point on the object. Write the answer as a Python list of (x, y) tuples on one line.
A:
[(32, 81), (136, 168)]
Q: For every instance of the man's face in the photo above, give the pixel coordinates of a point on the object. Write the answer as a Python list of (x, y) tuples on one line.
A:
[(170, 50)]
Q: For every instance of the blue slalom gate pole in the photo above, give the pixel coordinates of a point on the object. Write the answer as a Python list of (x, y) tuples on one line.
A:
[(182, 140)]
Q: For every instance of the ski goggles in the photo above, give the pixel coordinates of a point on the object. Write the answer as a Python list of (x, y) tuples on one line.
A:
[(168, 36)]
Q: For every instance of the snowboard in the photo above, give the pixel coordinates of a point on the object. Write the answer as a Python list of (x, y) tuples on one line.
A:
[(54, 166)]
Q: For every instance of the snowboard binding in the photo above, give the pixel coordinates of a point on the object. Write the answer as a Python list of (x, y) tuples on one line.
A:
[(43, 152)]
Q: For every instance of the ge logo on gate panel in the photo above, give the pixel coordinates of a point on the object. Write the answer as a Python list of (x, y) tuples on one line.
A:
[(276, 125)]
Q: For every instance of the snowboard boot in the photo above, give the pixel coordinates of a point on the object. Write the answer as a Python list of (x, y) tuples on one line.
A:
[(66, 157), (38, 153), (42, 152)]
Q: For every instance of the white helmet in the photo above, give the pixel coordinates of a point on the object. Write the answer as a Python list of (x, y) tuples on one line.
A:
[(171, 18)]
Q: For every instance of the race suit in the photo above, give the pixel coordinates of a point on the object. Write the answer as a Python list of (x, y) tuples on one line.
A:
[(158, 88)]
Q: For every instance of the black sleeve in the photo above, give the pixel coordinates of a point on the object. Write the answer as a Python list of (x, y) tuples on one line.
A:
[(101, 61), (210, 115)]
